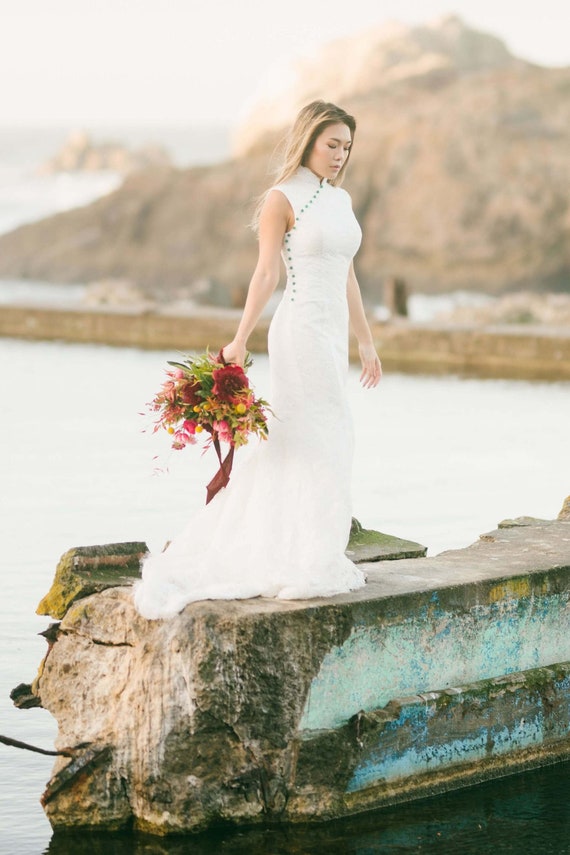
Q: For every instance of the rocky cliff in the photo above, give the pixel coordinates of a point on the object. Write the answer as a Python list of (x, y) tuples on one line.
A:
[(458, 177)]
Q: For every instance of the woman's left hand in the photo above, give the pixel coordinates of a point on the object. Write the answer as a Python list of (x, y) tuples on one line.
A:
[(371, 366), (234, 352)]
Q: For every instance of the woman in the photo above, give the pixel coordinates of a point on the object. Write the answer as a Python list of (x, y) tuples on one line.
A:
[(281, 526)]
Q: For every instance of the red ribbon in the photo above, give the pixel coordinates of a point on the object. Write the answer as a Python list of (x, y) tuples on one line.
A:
[(222, 476)]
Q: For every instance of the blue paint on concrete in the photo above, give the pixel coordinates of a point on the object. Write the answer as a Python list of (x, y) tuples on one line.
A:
[(415, 761), (435, 649), (417, 752)]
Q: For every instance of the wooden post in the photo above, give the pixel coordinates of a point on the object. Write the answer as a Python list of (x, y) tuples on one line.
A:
[(396, 297)]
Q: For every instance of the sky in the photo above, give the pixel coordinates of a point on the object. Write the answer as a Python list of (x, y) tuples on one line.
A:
[(182, 62)]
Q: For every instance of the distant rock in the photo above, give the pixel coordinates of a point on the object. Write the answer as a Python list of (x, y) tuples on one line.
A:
[(114, 292), (80, 153), (459, 179)]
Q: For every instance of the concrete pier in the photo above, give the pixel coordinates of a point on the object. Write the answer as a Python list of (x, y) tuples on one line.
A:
[(440, 672)]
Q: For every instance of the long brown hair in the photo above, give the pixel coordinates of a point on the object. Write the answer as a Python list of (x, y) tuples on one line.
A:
[(311, 121)]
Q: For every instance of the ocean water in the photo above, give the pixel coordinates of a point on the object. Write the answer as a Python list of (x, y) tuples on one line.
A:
[(438, 460)]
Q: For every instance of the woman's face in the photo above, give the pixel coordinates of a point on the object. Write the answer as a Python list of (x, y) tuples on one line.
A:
[(330, 151)]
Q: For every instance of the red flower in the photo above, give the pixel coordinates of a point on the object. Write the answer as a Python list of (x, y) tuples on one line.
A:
[(229, 383), (188, 393)]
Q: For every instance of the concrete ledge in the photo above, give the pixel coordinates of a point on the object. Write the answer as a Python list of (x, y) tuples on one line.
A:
[(126, 328), (518, 351)]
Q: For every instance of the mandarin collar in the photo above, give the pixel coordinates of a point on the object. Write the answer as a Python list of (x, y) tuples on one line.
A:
[(308, 175)]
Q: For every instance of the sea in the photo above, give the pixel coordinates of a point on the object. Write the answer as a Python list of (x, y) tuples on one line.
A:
[(439, 460)]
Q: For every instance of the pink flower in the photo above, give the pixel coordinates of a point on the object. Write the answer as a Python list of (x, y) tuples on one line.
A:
[(178, 374), (181, 439), (189, 427), (223, 430)]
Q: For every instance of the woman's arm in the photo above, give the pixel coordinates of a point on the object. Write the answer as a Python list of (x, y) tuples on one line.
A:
[(273, 223), (371, 367)]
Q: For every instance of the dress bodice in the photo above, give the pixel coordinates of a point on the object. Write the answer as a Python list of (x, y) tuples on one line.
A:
[(318, 249)]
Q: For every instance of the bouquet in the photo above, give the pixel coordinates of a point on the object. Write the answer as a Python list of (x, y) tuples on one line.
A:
[(206, 394)]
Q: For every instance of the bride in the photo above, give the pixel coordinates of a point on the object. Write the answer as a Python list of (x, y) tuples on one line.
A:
[(280, 528)]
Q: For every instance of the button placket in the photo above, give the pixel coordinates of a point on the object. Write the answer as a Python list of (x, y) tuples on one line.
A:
[(290, 268)]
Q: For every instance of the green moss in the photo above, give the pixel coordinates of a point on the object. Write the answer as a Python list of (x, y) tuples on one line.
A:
[(87, 570), (369, 545)]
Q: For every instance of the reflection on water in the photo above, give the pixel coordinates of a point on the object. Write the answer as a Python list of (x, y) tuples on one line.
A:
[(523, 814)]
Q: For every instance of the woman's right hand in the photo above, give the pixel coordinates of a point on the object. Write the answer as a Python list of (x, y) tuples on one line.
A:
[(234, 352)]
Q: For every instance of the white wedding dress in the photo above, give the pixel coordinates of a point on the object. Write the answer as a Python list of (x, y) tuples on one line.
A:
[(280, 528)]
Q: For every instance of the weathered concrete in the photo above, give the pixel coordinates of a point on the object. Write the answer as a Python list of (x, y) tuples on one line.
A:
[(441, 671), (517, 350)]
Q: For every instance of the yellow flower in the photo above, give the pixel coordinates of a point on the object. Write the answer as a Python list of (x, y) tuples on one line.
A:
[(196, 409), (170, 429), (241, 408), (199, 428)]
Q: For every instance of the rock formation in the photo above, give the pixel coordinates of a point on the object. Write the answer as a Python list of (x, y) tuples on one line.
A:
[(458, 177), (378, 58), (80, 153)]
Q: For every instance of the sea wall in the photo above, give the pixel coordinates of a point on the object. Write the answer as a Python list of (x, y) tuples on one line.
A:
[(440, 672), (515, 350), (510, 350), (127, 327)]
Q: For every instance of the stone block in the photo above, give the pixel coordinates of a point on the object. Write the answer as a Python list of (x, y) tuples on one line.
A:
[(86, 570)]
